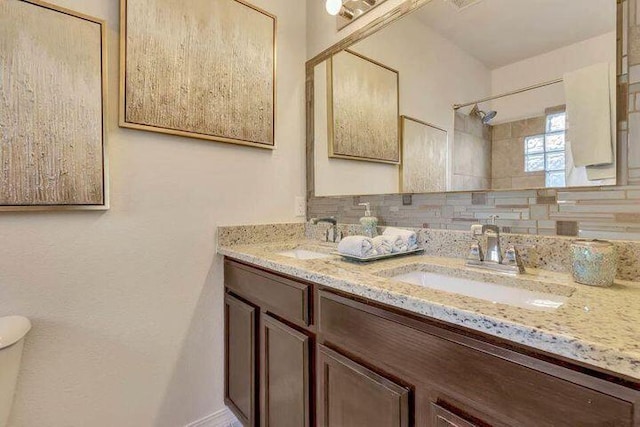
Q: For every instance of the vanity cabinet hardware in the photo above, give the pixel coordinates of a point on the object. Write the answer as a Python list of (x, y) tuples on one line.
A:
[(240, 359), (351, 395), (285, 377), (286, 298)]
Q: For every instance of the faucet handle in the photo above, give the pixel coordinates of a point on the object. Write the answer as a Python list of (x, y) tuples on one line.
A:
[(512, 257), (475, 252)]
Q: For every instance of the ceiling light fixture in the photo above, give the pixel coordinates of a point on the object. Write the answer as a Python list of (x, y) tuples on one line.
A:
[(333, 6)]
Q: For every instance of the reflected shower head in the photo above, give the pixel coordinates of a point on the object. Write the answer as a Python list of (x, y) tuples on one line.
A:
[(486, 117)]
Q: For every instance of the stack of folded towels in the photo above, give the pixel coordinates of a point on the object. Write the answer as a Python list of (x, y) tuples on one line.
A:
[(393, 240)]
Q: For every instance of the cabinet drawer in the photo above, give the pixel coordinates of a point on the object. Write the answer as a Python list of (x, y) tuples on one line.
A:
[(489, 381), (283, 297)]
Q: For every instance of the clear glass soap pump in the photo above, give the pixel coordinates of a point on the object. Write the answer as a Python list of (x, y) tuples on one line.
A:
[(369, 223)]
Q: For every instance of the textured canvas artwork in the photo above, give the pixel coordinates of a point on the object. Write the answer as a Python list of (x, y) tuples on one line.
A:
[(363, 119), (424, 157), (204, 71), (51, 107)]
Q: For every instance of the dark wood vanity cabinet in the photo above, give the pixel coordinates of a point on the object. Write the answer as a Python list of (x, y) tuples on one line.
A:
[(285, 386), (268, 348), (329, 359), (349, 394), (240, 358)]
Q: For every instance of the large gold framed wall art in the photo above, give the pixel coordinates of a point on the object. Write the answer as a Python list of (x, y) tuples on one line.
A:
[(203, 71), (363, 103), (52, 108)]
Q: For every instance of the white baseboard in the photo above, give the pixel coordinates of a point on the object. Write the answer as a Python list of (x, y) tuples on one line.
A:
[(222, 418)]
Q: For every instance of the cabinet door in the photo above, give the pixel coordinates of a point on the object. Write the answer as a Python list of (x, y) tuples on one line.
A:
[(351, 395), (240, 360), (441, 417), (285, 375)]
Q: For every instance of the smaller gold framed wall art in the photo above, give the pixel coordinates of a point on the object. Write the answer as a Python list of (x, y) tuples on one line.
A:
[(204, 71), (363, 103), (424, 157), (52, 108)]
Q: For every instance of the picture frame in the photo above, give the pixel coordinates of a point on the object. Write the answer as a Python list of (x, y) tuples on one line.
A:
[(55, 109), (202, 80), (364, 107), (422, 144)]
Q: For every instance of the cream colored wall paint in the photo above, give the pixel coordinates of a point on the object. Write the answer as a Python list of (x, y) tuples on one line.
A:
[(434, 74), (321, 27), (127, 304), (542, 68)]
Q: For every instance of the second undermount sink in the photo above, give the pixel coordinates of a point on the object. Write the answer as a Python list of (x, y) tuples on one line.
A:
[(303, 254), (492, 292)]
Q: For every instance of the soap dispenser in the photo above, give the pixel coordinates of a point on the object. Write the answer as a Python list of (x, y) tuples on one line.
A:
[(369, 223)]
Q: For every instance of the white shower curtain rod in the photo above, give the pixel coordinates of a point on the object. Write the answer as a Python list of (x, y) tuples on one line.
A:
[(536, 86)]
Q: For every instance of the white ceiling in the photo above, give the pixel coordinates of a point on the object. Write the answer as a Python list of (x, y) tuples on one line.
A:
[(501, 32)]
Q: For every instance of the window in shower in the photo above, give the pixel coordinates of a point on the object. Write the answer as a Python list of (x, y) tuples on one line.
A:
[(546, 152)]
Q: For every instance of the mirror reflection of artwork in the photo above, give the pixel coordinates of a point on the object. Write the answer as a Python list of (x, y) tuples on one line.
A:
[(424, 157), (364, 109), (52, 84)]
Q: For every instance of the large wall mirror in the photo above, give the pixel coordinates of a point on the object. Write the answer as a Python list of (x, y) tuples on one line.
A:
[(470, 96)]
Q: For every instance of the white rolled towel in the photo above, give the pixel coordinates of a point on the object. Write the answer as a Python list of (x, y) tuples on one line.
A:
[(383, 245), (410, 237), (398, 244), (359, 246)]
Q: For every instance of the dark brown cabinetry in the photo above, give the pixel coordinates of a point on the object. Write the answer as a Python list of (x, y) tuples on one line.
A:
[(285, 375), (240, 361), (351, 395), (330, 359)]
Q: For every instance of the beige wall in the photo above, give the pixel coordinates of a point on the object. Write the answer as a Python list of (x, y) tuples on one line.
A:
[(127, 304)]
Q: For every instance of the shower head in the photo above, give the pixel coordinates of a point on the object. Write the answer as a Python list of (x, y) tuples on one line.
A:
[(486, 117)]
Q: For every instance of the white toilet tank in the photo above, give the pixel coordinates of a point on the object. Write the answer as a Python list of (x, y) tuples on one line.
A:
[(12, 331)]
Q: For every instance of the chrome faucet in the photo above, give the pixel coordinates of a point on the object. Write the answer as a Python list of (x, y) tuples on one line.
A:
[(333, 231), (492, 259), (493, 252)]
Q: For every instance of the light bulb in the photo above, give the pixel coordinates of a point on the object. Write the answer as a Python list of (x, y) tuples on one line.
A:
[(333, 6)]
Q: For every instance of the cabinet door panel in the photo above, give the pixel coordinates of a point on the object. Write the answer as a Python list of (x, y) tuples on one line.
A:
[(352, 395), (441, 417), (240, 360), (285, 375)]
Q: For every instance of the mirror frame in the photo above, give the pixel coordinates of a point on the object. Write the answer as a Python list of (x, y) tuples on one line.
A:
[(398, 13)]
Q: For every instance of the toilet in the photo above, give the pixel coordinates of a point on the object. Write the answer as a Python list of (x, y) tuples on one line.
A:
[(12, 332)]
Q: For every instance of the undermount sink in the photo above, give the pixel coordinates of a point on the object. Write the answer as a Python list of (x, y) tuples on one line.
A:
[(501, 294), (303, 254)]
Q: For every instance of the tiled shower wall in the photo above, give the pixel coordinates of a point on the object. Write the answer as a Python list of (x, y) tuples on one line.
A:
[(472, 148), (607, 212)]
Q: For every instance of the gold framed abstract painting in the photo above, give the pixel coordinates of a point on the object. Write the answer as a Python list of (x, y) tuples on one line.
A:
[(52, 108), (424, 157), (363, 104), (205, 71)]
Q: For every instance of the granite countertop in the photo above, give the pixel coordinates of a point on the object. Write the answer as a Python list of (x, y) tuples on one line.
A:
[(597, 326)]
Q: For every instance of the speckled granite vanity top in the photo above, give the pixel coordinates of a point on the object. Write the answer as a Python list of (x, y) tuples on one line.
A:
[(597, 326)]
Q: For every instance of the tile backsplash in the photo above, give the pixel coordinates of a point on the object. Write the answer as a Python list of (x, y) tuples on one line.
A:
[(606, 212)]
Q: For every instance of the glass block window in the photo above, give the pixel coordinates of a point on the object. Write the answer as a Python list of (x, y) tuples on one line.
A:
[(547, 152)]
